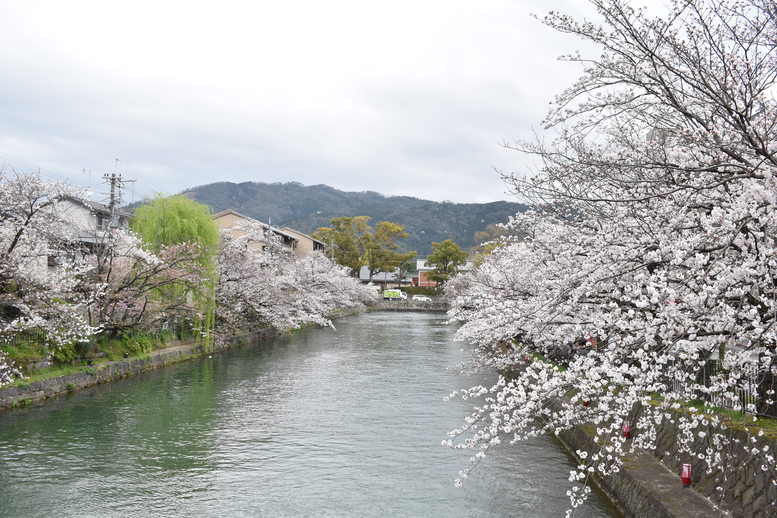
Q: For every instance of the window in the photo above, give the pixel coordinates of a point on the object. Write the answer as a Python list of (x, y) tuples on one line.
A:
[(102, 222)]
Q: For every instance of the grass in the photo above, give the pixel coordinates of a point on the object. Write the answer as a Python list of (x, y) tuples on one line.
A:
[(767, 425), (25, 351), (132, 344), (104, 349), (50, 372), (735, 419)]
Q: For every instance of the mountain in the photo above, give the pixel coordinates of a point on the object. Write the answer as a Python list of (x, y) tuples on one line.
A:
[(305, 208)]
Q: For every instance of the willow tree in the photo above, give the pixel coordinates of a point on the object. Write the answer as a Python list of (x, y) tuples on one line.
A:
[(173, 220)]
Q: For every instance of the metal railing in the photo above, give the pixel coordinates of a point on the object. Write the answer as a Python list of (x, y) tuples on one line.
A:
[(750, 394)]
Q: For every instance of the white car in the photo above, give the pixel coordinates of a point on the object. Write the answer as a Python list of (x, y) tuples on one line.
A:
[(421, 298)]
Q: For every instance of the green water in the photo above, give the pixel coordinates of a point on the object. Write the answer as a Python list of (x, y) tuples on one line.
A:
[(343, 423)]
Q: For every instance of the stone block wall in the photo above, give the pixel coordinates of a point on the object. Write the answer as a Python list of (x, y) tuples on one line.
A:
[(742, 487)]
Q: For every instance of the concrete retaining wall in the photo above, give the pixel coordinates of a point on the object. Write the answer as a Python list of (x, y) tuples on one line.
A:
[(646, 487), (435, 306), (105, 372), (747, 490)]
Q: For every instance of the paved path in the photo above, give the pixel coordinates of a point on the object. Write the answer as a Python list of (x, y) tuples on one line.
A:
[(667, 488)]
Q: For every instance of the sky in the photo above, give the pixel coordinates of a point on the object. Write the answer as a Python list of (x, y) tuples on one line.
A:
[(403, 98)]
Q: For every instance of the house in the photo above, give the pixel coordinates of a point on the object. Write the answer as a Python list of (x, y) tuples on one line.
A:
[(423, 273), (232, 220), (90, 222), (305, 243), (385, 280)]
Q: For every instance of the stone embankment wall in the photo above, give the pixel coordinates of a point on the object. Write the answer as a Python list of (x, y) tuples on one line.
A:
[(646, 487), (110, 371), (410, 305), (742, 487)]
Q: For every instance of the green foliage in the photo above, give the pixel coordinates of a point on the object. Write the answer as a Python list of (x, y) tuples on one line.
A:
[(65, 353), (133, 343), (137, 343), (22, 351), (382, 249), (405, 268), (71, 387), (446, 259), (483, 251), (346, 239), (421, 290), (172, 220), (177, 219), (353, 244), (165, 336)]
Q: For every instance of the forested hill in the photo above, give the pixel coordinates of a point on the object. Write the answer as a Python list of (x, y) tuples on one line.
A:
[(305, 208)]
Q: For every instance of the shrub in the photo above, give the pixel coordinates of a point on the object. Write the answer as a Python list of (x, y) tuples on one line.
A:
[(422, 290), (65, 353)]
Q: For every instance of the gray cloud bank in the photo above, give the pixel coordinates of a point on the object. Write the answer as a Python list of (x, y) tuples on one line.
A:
[(407, 98)]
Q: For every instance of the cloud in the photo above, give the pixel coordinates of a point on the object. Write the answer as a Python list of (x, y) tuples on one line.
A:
[(402, 98)]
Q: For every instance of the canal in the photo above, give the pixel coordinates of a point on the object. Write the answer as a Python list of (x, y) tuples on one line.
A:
[(324, 422)]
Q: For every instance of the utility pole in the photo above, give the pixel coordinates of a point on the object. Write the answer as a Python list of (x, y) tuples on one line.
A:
[(116, 184)]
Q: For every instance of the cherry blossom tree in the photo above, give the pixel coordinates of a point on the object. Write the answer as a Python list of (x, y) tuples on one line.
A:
[(650, 250), (32, 296), (141, 289), (8, 372), (80, 294), (267, 285)]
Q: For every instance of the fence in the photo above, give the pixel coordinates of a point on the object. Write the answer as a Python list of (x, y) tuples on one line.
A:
[(751, 393), (22, 338)]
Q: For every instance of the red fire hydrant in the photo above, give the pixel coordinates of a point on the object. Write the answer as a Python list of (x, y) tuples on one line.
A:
[(686, 476)]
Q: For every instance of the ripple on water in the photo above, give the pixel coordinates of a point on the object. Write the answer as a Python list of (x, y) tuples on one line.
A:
[(322, 423)]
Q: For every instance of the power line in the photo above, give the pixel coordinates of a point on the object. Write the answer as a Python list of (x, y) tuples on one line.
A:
[(27, 165), (84, 181)]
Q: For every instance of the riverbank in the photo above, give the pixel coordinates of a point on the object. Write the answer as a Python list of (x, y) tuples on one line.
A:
[(433, 306), (25, 393), (648, 487), (28, 393), (644, 488)]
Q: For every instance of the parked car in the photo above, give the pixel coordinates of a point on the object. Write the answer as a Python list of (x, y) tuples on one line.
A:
[(421, 298)]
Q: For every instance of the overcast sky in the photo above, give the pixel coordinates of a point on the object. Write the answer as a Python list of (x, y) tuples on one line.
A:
[(402, 97)]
